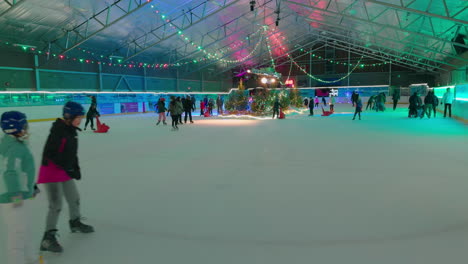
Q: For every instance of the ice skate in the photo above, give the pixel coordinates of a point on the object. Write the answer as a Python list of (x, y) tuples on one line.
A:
[(77, 226), (164, 123), (50, 243), (158, 122)]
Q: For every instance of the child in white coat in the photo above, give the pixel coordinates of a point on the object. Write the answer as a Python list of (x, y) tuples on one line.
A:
[(17, 173)]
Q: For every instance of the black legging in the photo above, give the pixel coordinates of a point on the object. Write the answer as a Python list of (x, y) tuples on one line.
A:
[(175, 120), (89, 119), (358, 111), (434, 107), (189, 114), (395, 102), (428, 110), (311, 110), (332, 108), (180, 119), (275, 111), (449, 106)]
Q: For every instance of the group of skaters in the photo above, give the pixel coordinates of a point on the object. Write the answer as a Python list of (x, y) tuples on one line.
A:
[(377, 102), (417, 106), (314, 102), (59, 169), (420, 108), (185, 105)]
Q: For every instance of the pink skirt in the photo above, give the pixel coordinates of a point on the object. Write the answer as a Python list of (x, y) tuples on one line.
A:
[(52, 173)]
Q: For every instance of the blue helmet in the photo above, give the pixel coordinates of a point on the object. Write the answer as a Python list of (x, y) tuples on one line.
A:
[(13, 122), (72, 110)]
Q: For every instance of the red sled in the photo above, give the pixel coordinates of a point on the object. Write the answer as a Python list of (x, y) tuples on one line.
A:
[(326, 113), (281, 115), (101, 127)]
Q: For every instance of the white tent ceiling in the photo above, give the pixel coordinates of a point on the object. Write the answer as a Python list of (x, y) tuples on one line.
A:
[(419, 34)]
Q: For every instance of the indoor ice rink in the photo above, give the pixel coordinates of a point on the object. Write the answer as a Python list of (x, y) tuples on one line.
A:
[(239, 185)]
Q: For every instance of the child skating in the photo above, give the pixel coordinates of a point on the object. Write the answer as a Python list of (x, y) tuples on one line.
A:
[(58, 173), (358, 103), (161, 111), (16, 189)]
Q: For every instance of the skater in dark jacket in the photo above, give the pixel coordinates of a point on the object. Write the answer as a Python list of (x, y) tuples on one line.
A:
[(353, 97), (428, 104), (161, 111), (311, 107), (371, 102), (358, 103), (415, 103), (58, 171), (435, 99), (210, 106), (324, 101), (194, 102), (188, 107), (92, 113), (276, 107), (176, 111), (219, 104), (395, 98), (180, 107)]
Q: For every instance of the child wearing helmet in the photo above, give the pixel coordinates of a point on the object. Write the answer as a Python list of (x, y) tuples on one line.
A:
[(57, 173), (16, 186)]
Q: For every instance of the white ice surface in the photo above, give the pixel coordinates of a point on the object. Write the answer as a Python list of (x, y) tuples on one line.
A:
[(325, 190)]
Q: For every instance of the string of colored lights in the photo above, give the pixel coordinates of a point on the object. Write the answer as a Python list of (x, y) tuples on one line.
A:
[(343, 63), (107, 62), (308, 74), (325, 81), (211, 55), (272, 60)]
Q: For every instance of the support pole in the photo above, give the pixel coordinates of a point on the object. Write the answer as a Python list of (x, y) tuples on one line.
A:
[(36, 71), (202, 86), (349, 61), (100, 77), (390, 74), (177, 81), (144, 80), (310, 68)]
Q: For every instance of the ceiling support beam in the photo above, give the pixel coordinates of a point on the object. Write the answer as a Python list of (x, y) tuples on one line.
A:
[(218, 35), (290, 26), (181, 23), (423, 13), (13, 5), (97, 23), (365, 21), (422, 49)]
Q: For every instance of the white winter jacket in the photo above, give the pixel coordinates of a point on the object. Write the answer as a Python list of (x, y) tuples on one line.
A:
[(448, 98)]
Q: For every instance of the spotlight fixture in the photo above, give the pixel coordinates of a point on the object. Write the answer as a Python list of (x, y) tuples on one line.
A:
[(252, 5), (272, 80), (249, 71), (264, 80)]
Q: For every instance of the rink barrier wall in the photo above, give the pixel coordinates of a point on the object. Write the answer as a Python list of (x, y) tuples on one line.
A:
[(135, 104), (39, 114)]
